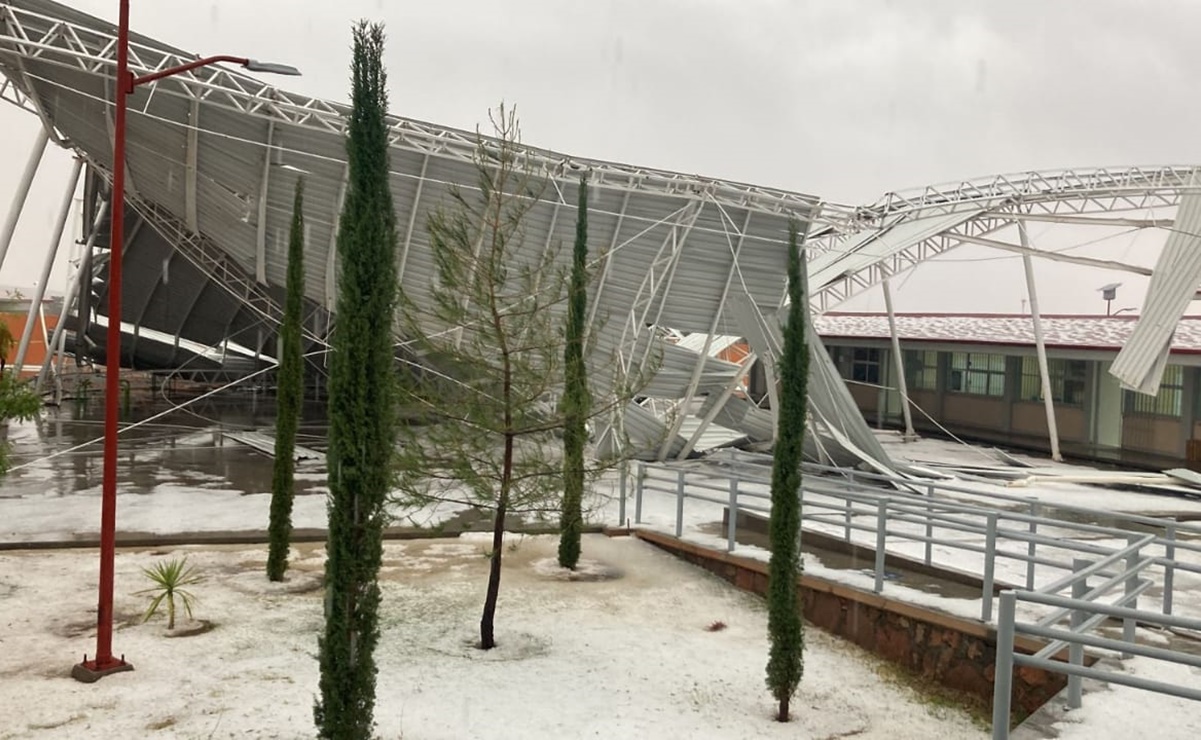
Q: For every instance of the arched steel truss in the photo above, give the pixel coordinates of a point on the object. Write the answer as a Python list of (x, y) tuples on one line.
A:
[(213, 156)]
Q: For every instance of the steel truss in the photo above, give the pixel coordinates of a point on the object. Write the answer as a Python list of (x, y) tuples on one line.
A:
[(57, 38), (209, 258), (1065, 197), (74, 44)]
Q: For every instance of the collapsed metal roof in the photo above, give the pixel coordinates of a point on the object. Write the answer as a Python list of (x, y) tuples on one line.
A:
[(213, 156)]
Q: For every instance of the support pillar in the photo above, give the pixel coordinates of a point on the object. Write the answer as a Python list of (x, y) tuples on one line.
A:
[(83, 276), (1040, 347), (18, 204), (39, 292), (898, 359)]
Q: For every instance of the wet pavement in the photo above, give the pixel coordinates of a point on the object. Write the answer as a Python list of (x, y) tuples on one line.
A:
[(185, 447)]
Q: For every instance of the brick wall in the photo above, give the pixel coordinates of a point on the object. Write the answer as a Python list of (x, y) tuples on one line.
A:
[(957, 653)]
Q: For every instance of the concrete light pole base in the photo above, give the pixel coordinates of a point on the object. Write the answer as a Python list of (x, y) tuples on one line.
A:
[(89, 671)]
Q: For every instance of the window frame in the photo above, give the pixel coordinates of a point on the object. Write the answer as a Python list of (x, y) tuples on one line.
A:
[(1167, 404), (978, 367), (1059, 372), (921, 369), (867, 359)]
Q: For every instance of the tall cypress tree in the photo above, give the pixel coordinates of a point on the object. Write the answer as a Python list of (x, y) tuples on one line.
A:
[(289, 397), (785, 627), (576, 398), (362, 406)]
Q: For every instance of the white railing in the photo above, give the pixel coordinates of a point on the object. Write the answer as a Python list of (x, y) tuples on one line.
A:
[(886, 511), (864, 514)]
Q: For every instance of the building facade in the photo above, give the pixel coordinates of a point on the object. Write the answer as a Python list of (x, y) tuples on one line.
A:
[(977, 376)]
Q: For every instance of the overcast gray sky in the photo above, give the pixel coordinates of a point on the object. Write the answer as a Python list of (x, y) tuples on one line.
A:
[(844, 100)]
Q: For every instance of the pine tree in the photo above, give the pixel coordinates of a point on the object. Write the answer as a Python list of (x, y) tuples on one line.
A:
[(289, 398), (577, 399), (489, 342), (785, 626), (362, 406)]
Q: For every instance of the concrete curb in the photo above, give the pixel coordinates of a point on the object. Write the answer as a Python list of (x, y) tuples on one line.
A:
[(259, 537)]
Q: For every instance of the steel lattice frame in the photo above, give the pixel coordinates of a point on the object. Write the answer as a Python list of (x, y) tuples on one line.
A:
[(694, 212)]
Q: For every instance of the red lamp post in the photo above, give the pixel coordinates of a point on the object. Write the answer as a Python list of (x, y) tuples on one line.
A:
[(104, 663)]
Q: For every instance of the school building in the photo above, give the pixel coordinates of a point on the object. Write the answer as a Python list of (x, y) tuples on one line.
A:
[(977, 376)]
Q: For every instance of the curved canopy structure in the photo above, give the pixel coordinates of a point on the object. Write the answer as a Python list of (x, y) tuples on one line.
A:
[(213, 156)]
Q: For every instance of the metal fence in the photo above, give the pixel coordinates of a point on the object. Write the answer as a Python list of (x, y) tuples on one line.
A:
[(1085, 616), (964, 531), (1058, 557)]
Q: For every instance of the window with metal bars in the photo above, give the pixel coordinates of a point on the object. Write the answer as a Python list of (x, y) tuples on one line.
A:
[(921, 369), (1067, 380), (865, 365), (977, 373), (1167, 402)]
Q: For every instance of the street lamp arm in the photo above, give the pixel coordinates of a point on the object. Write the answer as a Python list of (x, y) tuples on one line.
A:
[(135, 81), (251, 64)]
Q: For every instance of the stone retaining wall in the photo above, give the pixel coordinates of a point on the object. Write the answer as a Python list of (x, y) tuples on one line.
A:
[(955, 652)]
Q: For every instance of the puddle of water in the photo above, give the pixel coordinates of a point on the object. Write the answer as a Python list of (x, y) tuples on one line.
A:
[(185, 448)]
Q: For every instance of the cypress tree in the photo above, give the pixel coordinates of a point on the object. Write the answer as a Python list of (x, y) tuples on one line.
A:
[(362, 406), (289, 397), (576, 398), (785, 627)]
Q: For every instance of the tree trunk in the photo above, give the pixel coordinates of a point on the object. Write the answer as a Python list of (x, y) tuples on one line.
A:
[(782, 714), (487, 622)]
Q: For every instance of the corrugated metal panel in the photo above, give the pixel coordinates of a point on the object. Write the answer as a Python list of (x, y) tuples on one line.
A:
[(720, 342), (644, 433), (834, 417), (690, 233), (739, 413), (1140, 363)]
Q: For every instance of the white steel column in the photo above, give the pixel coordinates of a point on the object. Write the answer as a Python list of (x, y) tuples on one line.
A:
[(260, 242), (408, 240), (191, 168), (331, 255), (898, 361), (18, 204), (694, 381), (607, 256), (39, 292), (83, 277), (1044, 373)]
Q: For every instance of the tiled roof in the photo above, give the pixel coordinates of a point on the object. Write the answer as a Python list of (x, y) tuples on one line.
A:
[(1067, 332)]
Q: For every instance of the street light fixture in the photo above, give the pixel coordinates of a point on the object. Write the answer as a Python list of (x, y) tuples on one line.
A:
[(1108, 294), (104, 662)]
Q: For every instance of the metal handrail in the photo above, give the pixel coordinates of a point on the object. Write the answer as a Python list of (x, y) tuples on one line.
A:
[(850, 503), (1076, 638), (896, 513)]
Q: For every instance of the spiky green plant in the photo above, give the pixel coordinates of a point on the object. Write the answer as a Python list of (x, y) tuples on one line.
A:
[(169, 578), (17, 401)]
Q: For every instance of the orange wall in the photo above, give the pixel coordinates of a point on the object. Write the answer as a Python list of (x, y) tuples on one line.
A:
[(36, 353)]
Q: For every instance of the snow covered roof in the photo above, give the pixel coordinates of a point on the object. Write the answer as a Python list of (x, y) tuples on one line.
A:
[(1064, 332)]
